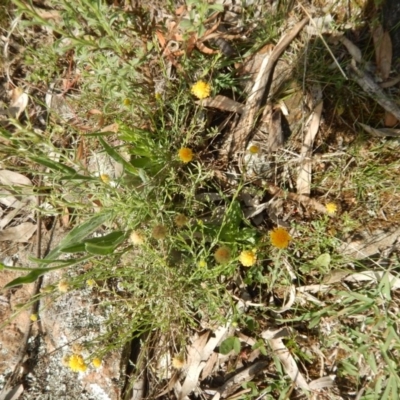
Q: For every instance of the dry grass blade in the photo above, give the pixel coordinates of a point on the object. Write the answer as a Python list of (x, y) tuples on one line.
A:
[(241, 133)]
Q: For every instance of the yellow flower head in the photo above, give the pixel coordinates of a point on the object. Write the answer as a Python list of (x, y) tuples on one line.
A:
[(77, 363), (185, 154), (136, 238), (248, 258), (201, 89), (222, 255), (105, 178), (254, 149), (178, 362), (181, 220), (96, 362), (159, 232), (33, 317), (202, 263), (63, 286), (280, 238), (90, 282), (331, 208), (127, 102)]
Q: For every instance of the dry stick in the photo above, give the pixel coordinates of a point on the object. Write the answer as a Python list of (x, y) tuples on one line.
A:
[(245, 126), (373, 90)]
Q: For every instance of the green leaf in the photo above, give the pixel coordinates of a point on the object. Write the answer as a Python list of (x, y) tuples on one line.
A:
[(233, 219), (37, 272), (54, 165), (117, 157), (229, 344), (186, 24), (141, 162), (323, 260), (75, 236), (216, 7), (74, 248), (75, 177), (261, 346), (105, 244)]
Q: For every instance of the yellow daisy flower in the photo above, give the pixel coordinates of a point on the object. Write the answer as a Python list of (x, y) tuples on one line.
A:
[(178, 362), (96, 362), (248, 258), (185, 154), (331, 208), (105, 178), (33, 317), (280, 238), (201, 90), (77, 363), (222, 255), (90, 282), (254, 149)]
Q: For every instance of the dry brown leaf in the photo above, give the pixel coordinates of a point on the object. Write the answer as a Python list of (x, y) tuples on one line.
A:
[(385, 56), (304, 200), (390, 120), (242, 131), (303, 183), (230, 386), (19, 101), (206, 50), (382, 132), (274, 339), (21, 233), (383, 51), (12, 394), (373, 276), (111, 128), (198, 354), (161, 39), (372, 244), (11, 178), (353, 50), (222, 103), (208, 368), (372, 89), (275, 134)]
